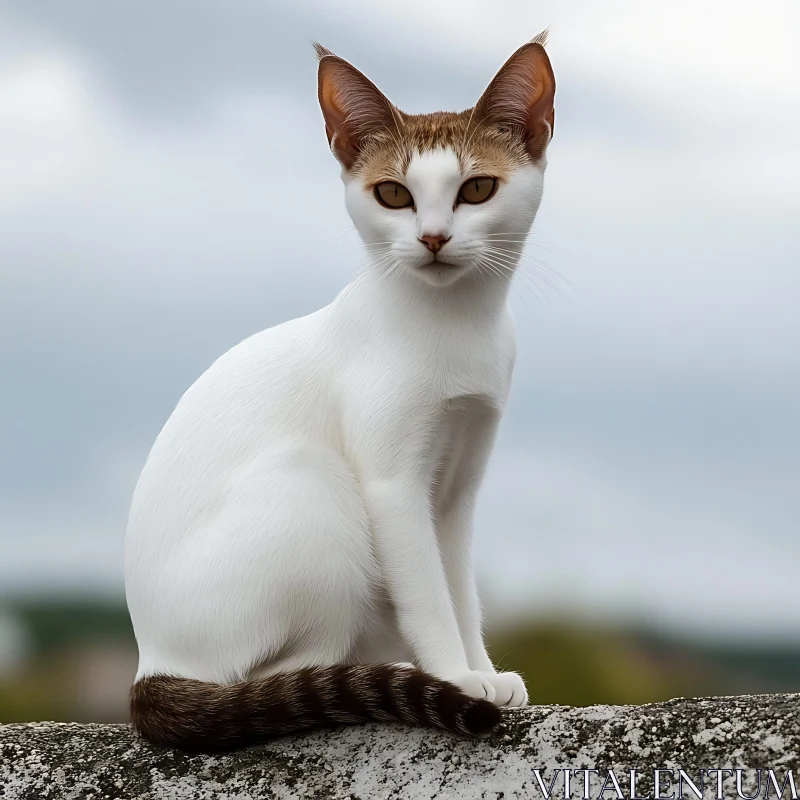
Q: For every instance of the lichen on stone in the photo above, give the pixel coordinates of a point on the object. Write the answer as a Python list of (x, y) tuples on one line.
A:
[(94, 762)]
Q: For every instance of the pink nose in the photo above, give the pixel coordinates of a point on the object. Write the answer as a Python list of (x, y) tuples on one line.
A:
[(434, 242)]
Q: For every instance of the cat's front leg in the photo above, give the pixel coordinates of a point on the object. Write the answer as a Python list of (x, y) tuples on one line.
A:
[(407, 551), (455, 537), (455, 534), (455, 512)]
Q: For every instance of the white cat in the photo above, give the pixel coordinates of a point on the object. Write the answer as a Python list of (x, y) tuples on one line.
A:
[(302, 528)]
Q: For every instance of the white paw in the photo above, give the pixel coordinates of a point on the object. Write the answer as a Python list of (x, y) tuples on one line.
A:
[(476, 684), (509, 689)]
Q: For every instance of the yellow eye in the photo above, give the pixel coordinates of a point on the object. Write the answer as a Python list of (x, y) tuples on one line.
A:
[(477, 190), (393, 195)]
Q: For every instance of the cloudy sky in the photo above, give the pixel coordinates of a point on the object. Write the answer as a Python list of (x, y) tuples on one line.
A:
[(166, 190)]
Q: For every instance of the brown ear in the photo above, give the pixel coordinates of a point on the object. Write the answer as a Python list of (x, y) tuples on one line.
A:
[(521, 97), (353, 107)]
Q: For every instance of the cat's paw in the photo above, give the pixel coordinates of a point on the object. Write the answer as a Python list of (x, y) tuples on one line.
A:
[(476, 684), (509, 689)]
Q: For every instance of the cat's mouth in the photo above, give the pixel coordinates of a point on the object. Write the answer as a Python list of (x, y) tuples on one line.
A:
[(437, 263), (440, 273)]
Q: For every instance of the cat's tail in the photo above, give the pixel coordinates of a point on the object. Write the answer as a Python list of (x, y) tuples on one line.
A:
[(208, 717)]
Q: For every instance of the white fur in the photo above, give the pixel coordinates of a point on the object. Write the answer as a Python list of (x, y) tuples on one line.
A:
[(310, 499)]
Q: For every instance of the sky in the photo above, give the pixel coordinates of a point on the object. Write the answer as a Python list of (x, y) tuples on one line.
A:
[(166, 190)]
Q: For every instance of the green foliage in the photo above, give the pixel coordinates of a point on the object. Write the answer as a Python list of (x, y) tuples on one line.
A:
[(569, 664), (32, 696), (54, 625)]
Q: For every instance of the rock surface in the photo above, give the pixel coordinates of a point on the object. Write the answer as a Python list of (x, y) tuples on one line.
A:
[(90, 762)]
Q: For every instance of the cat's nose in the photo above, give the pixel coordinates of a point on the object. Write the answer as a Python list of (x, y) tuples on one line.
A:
[(435, 241)]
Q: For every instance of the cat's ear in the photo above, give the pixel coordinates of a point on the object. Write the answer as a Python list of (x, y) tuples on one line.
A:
[(521, 96), (353, 107)]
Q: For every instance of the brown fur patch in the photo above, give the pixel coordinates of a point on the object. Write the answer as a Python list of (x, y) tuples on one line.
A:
[(480, 148)]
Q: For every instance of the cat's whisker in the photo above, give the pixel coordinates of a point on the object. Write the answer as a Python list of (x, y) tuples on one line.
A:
[(369, 253), (393, 271), (372, 248), (531, 284), (521, 241), (506, 273), (514, 267), (497, 267), (491, 267), (379, 253), (369, 262), (361, 274), (544, 268), (341, 236), (527, 256), (361, 242), (482, 272), (535, 269), (527, 238), (350, 287), (536, 277), (377, 262)]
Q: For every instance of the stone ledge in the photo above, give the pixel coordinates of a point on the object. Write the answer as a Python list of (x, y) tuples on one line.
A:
[(90, 762)]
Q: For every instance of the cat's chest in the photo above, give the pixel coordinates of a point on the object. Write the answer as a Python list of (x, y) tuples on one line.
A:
[(435, 371), (422, 389)]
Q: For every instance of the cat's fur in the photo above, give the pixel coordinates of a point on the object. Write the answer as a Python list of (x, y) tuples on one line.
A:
[(302, 527)]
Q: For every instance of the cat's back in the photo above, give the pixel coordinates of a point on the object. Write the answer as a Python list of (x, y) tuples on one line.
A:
[(256, 378), (252, 396)]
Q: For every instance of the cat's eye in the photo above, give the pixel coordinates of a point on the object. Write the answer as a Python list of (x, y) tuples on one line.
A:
[(393, 195), (477, 190)]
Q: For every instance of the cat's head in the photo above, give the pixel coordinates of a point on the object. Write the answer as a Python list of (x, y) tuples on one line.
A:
[(442, 195)]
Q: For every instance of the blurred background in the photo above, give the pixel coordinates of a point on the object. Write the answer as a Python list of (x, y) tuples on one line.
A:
[(166, 190)]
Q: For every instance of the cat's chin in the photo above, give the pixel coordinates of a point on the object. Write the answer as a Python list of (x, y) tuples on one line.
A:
[(440, 273)]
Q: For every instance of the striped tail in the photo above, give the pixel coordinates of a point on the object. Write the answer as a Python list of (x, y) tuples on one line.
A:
[(208, 717)]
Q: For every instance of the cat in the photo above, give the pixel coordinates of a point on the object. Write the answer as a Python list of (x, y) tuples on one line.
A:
[(298, 551)]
